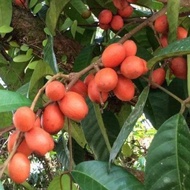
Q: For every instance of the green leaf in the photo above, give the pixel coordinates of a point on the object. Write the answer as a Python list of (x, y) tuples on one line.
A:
[(95, 134), (188, 74), (168, 165), (5, 29), (74, 28), (172, 15), (41, 70), (6, 119), (61, 182), (129, 124), (177, 48), (49, 55), (52, 15), (5, 12), (37, 8), (32, 3), (12, 100), (22, 58), (93, 175)]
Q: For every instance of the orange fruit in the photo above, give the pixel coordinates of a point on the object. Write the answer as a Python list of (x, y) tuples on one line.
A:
[(130, 47), (164, 40), (104, 26), (181, 33), (158, 76), (39, 141), (125, 89), (117, 22), (79, 87), (126, 12), (24, 119), (95, 95), (73, 106), (19, 168), (55, 90), (120, 4), (161, 24), (113, 55), (52, 119), (132, 67), (106, 79), (105, 16), (22, 148), (132, 1), (178, 67)]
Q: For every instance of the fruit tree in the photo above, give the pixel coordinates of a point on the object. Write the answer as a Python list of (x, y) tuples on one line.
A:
[(78, 77)]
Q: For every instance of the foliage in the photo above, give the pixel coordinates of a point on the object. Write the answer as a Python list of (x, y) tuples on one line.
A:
[(103, 151)]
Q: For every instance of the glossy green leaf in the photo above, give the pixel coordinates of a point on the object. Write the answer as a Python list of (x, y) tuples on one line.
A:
[(94, 175), (188, 74), (49, 55), (32, 3), (37, 8), (56, 6), (177, 48), (172, 15), (12, 100), (168, 164), (95, 134), (5, 12), (61, 182), (129, 124)]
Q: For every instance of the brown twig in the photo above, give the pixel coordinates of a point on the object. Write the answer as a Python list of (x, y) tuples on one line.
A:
[(6, 129)]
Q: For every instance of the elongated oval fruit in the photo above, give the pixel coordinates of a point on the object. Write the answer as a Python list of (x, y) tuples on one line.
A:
[(95, 95), (73, 106), (113, 55), (52, 118), (120, 4), (117, 22), (130, 47), (181, 33), (55, 90), (125, 89), (105, 16), (126, 12), (132, 67), (161, 24), (178, 67), (24, 119), (19, 168), (22, 148), (158, 76), (39, 141), (106, 79)]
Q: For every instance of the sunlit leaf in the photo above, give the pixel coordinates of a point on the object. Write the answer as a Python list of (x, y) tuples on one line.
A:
[(5, 12)]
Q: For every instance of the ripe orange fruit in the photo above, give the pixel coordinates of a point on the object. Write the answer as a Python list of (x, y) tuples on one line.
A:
[(55, 90), (132, 67), (104, 26), (106, 79), (88, 78), (125, 89), (120, 4), (164, 40), (178, 67), (39, 141), (161, 24), (20, 3), (80, 87), (73, 106), (158, 76), (181, 33), (117, 22), (105, 16), (52, 119), (126, 12), (19, 168), (24, 118), (113, 55), (132, 1), (95, 95), (22, 148), (130, 47)]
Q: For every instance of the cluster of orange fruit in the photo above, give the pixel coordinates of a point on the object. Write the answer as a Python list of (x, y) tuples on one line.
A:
[(37, 130), (108, 20), (177, 65)]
